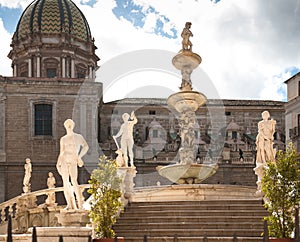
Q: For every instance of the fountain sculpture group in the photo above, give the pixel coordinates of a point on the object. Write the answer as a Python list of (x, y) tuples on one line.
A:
[(186, 171), (186, 102)]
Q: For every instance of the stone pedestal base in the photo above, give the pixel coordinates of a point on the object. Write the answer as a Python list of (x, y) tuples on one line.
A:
[(259, 171), (73, 218), (127, 174), (69, 234)]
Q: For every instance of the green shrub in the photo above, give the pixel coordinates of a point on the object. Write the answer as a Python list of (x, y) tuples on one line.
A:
[(280, 185), (106, 197)]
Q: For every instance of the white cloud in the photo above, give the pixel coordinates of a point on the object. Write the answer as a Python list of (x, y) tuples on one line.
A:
[(4, 41), (244, 44), (15, 3)]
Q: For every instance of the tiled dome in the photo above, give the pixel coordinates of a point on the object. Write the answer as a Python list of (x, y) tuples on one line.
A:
[(51, 17)]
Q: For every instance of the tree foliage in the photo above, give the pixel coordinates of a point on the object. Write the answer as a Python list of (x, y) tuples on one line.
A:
[(280, 185), (105, 203)]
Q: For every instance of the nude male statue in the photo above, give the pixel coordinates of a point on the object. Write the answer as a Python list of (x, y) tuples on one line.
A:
[(186, 34), (68, 160), (127, 141)]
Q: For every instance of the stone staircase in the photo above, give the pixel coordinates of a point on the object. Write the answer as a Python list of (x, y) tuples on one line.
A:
[(191, 221)]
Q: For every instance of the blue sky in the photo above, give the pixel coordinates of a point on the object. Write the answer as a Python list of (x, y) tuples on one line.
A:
[(244, 43), (10, 17)]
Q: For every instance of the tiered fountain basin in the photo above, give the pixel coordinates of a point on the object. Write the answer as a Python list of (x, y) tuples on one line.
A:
[(187, 174), (186, 100)]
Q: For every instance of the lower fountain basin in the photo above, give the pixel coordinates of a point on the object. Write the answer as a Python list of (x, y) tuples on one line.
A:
[(187, 174)]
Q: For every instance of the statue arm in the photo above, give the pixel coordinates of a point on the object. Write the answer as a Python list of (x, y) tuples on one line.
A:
[(83, 150), (58, 164), (120, 132), (85, 147), (133, 118)]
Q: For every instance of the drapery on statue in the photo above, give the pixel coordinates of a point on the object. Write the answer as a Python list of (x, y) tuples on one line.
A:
[(127, 142), (186, 34), (264, 139), (27, 176), (68, 160)]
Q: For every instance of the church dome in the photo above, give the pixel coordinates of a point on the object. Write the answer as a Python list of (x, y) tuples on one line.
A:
[(53, 17)]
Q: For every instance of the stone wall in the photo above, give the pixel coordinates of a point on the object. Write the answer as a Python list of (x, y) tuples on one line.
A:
[(67, 97)]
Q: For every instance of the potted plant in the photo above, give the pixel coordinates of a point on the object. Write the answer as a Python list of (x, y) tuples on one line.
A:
[(280, 185), (105, 199)]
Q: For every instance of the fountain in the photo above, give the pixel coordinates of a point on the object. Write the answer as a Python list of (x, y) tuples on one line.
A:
[(186, 102)]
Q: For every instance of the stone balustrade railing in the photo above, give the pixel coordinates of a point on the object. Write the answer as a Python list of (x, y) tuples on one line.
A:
[(215, 160), (23, 205), (26, 213)]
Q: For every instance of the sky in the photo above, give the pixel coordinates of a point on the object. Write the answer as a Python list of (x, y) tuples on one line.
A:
[(248, 47)]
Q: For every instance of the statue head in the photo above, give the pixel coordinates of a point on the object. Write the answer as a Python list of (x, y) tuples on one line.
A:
[(188, 24), (27, 160), (265, 115), (125, 117), (69, 124)]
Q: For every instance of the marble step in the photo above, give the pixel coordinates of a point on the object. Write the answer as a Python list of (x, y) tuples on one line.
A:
[(190, 225), (190, 232), (191, 219), (195, 239)]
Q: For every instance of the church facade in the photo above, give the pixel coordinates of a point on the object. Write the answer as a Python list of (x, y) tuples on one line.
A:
[(54, 65)]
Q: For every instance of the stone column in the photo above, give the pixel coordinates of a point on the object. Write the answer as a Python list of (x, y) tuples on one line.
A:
[(29, 67), (2, 184), (38, 66), (72, 68), (94, 119), (2, 145), (2, 126), (90, 72), (14, 69), (63, 66)]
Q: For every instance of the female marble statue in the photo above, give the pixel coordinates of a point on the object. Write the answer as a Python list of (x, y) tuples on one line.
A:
[(264, 139), (27, 176)]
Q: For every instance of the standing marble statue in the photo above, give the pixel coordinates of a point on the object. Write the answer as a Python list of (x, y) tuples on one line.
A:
[(126, 133), (51, 184), (27, 176), (264, 147), (186, 34), (72, 148), (264, 139)]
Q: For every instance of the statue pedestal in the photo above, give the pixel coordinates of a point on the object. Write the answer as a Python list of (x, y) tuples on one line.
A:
[(259, 171), (73, 218), (127, 174)]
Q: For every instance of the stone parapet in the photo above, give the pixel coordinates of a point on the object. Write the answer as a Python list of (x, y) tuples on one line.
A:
[(194, 192)]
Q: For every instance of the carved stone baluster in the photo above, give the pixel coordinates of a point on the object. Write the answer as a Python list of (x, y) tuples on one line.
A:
[(11, 210), (2, 215)]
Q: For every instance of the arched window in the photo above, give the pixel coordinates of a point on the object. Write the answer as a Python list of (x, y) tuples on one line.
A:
[(51, 67), (81, 71), (43, 119)]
